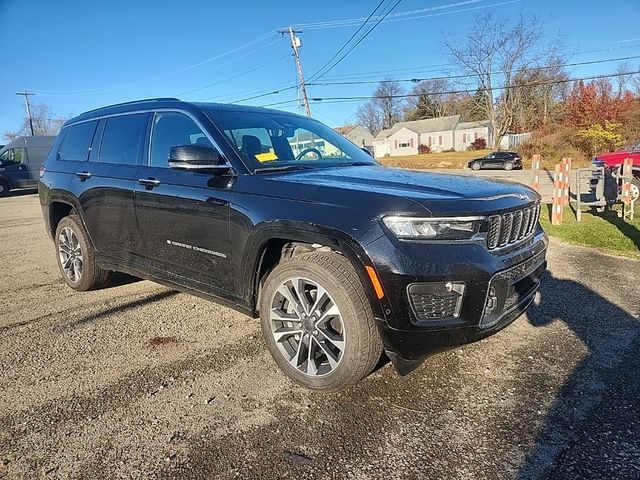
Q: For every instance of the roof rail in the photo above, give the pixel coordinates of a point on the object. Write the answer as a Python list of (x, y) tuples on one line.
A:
[(133, 102)]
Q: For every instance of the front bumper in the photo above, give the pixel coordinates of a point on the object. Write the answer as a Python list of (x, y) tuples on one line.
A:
[(498, 288)]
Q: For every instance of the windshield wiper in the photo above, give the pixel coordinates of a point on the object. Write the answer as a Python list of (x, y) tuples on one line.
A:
[(282, 168), (356, 164)]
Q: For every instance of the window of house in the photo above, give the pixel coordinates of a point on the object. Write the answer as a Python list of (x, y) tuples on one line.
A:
[(440, 140), (122, 139), (429, 141), (76, 142), (403, 143), (464, 138), (172, 129), (475, 135)]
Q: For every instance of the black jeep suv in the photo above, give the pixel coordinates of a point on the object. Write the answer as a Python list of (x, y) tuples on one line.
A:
[(278, 216)]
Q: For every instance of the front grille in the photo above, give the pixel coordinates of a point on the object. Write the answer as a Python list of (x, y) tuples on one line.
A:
[(511, 227)]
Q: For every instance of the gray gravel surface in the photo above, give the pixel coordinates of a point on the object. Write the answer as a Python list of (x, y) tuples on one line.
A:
[(138, 381)]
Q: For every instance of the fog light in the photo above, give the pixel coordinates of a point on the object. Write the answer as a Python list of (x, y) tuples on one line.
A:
[(436, 300), (492, 302)]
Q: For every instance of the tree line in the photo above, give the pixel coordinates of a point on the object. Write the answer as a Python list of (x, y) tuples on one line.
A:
[(509, 75)]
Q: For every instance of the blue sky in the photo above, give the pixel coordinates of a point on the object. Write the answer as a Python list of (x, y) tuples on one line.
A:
[(78, 55)]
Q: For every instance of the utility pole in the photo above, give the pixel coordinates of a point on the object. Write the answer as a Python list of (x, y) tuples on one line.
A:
[(26, 94), (296, 44)]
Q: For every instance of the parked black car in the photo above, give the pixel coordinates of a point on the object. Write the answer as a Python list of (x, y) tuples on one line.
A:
[(504, 160), (20, 162), (278, 216)]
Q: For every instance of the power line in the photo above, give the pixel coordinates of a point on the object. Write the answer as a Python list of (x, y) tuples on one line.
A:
[(366, 34), (108, 89), (348, 41), (244, 72), (402, 16), (266, 93), (451, 77), (409, 95)]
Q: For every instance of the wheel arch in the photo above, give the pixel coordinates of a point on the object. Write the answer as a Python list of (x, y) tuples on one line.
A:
[(274, 243), (59, 205)]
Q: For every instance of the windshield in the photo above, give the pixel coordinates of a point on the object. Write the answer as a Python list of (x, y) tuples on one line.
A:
[(268, 140)]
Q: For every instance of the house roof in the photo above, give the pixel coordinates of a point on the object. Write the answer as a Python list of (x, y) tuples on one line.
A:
[(422, 126), (345, 129)]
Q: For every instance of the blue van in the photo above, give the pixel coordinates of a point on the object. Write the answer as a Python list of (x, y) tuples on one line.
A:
[(20, 162)]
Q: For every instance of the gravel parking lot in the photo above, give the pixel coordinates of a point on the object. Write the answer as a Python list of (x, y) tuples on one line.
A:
[(138, 381)]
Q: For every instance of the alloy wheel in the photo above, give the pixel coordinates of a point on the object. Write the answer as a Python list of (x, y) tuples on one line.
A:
[(70, 254), (307, 326)]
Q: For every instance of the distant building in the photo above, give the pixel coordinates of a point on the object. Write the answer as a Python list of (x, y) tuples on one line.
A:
[(439, 134), (357, 134)]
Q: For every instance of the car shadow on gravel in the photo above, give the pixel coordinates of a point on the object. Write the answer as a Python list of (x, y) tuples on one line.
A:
[(591, 431), (119, 308)]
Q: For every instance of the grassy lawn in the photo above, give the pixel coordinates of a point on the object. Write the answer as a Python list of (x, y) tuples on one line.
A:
[(434, 160), (606, 232), (459, 160)]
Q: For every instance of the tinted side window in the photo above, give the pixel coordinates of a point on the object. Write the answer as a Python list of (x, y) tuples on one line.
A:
[(12, 157), (76, 142), (172, 129), (123, 138)]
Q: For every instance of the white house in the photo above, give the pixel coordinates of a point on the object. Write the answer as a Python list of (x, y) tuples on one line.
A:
[(357, 134), (439, 134)]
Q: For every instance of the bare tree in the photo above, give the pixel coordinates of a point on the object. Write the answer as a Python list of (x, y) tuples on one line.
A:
[(435, 98), (369, 117), (493, 53), (44, 123), (384, 109), (538, 94)]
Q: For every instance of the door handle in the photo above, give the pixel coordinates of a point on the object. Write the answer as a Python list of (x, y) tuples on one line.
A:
[(83, 176), (149, 182)]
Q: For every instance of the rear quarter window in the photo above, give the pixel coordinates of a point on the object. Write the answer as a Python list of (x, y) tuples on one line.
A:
[(76, 141)]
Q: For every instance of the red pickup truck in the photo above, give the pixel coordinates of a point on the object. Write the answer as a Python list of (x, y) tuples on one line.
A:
[(613, 159)]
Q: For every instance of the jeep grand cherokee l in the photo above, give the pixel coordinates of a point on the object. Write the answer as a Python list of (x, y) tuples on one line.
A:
[(281, 218)]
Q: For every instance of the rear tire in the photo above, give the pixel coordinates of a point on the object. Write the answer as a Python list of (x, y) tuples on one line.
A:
[(635, 188), (476, 166), (326, 344), (508, 166), (76, 258), (4, 188)]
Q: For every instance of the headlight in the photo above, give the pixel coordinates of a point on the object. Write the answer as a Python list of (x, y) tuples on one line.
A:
[(454, 228)]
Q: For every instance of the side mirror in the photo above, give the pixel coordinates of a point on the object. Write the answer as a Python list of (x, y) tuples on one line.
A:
[(199, 158)]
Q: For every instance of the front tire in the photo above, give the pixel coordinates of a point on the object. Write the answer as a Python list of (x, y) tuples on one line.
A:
[(76, 258), (476, 166), (4, 188), (317, 322)]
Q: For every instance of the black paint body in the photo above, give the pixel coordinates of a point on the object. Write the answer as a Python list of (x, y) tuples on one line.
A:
[(239, 214)]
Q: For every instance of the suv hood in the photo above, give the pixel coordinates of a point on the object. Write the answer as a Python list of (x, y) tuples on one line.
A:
[(435, 191)]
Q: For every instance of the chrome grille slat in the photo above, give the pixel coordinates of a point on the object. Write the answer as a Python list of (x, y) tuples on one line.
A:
[(517, 224), (493, 234), (524, 230), (511, 227), (507, 223)]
